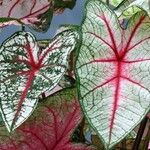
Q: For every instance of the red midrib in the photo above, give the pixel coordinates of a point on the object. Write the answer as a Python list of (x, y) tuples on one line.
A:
[(116, 96), (34, 67), (119, 73), (23, 95), (119, 59)]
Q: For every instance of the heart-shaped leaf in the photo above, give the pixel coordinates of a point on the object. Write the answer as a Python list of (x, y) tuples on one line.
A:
[(26, 71), (50, 126), (113, 72)]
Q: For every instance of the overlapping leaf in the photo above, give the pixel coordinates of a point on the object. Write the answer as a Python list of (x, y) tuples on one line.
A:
[(49, 128), (130, 7), (26, 71), (127, 8), (35, 13), (113, 72), (137, 6)]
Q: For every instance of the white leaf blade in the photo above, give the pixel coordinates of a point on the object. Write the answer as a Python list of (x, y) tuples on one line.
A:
[(105, 76)]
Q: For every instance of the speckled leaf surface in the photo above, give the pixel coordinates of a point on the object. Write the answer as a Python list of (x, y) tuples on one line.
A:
[(50, 127), (113, 73), (26, 71)]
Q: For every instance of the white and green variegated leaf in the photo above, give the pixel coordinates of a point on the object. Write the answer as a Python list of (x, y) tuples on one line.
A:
[(127, 8), (130, 7), (112, 71), (140, 4), (26, 71)]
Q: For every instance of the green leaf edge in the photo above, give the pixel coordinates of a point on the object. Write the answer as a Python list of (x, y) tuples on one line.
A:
[(72, 28), (126, 9), (107, 147)]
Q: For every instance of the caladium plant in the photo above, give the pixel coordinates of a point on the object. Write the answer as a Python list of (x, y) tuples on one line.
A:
[(50, 127), (26, 71), (35, 13), (113, 72)]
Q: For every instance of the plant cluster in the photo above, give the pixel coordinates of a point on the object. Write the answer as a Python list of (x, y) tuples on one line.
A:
[(88, 80)]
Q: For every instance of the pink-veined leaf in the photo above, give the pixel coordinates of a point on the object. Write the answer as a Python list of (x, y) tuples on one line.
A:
[(35, 13), (113, 72), (26, 71), (23, 11), (49, 128)]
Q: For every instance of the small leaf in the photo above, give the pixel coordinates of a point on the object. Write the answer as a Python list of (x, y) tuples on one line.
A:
[(129, 7), (49, 128), (141, 4), (26, 71), (113, 72)]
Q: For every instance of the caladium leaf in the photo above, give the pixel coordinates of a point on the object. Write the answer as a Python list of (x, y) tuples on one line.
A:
[(23, 11), (35, 13), (113, 72), (26, 71), (49, 128)]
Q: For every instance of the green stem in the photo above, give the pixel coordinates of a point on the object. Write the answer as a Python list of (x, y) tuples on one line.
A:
[(147, 139), (107, 2), (22, 28), (140, 134)]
